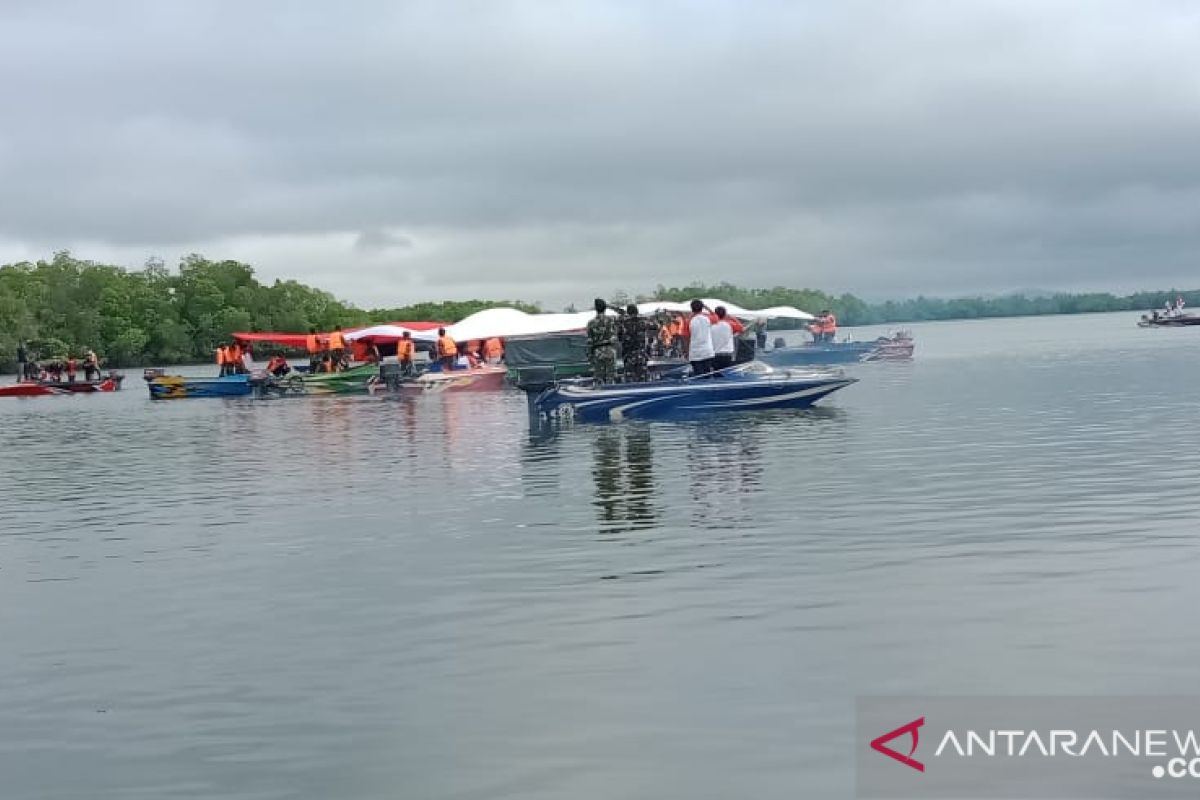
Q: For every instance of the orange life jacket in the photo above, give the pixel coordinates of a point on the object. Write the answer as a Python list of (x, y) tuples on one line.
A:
[(446, 347), (492, 348), (311, 344), (235, 354), (405, 349), (222, 356), (71, 366), (829, 324), (336, 342)]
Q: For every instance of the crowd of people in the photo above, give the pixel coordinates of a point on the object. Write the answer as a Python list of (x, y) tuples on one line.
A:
[(32, 369), (712, 340)]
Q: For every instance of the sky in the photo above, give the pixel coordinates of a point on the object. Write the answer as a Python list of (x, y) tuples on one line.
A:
[(393, 152)]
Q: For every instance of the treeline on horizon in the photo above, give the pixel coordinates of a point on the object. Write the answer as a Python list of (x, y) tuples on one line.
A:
[(158, 316)]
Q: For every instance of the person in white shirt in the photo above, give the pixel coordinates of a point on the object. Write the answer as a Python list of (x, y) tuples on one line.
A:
[(700, 344), (722, 341)]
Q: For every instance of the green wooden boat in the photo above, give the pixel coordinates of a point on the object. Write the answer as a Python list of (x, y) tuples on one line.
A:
[(356, 380)]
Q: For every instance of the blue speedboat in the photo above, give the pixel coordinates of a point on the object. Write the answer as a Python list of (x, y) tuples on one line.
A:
[(177, 387), (898, 347), (748, 387), (817, 353)]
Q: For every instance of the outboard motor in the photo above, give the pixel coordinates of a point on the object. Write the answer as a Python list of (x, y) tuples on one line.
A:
[(390, 375)]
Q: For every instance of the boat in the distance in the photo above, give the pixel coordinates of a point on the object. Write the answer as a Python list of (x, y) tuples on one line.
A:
[(178, 387), (109, 383), (1157, 319), (747, 387), (897, 347)]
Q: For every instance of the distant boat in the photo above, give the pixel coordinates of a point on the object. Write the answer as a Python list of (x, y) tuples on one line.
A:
[(111, 383), (748, 387), (1157, 320)]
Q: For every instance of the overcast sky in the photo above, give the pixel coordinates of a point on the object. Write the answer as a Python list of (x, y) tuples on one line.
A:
[(553, 150)]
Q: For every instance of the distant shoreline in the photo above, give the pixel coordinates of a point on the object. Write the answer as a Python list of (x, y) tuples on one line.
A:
[(164, 317)]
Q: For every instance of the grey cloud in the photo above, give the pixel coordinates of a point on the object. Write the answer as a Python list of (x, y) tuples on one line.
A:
[(902, 147)]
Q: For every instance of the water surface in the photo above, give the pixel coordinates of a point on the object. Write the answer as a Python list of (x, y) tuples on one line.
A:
[(370, 598)]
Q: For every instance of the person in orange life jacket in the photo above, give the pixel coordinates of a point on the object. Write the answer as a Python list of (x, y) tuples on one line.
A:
[(722, 340), (447, 350), (234, 359), (337, 347), (71, 369), (278, 366), (829, 325), (222, 361), (406, 349), (493, 351), (312, 345)]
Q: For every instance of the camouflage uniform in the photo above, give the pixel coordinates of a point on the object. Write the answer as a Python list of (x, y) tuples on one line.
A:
[(602, 347), (636, 333)]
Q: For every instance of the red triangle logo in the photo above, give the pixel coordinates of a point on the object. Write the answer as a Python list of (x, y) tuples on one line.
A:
[(880, 745)]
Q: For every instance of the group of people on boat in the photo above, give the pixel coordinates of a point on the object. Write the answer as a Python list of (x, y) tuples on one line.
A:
[(231, 359), (449, 355), (57, 370), (1170, 310), (824, 328), (712, 340)]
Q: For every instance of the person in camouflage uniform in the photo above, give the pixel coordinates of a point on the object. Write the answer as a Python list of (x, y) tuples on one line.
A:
[(636, 333), (602, 344)]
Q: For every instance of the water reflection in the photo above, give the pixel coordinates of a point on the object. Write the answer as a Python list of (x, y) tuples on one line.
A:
[(724, 467), (623, 472)]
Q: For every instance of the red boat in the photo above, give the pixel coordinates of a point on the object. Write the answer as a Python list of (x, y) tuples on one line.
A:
[(43, 388)]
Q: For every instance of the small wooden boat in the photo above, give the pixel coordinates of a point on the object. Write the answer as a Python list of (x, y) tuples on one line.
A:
[(111, 383), (747, 387), (177, 387)]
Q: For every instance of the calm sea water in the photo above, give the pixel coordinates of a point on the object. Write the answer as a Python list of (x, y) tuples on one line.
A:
[(369, 598)]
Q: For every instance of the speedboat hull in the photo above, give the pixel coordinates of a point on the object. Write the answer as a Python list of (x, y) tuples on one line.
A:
[(817, 353), (479, 379), (47, 388), (894, 348), (738, 390), (357, 380), (1168, 322), (177, 387)]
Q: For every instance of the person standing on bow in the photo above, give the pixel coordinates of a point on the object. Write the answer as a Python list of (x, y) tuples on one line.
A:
[(700, 344), (91, 366), (337, 348), (406, 349), (722, 341), (636, 333), (447, 350), (602, 344)]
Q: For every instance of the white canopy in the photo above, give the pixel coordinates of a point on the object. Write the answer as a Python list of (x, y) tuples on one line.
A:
[(506, 322), (774, 312)]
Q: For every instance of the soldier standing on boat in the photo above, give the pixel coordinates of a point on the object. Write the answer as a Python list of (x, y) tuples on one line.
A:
[(602, 344), (636, 332)]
